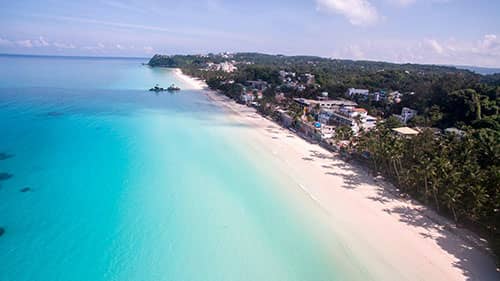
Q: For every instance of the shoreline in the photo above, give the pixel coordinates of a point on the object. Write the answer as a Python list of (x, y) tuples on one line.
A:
[(402, 233), (193, 83)]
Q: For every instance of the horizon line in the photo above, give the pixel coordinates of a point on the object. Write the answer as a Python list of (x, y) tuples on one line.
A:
[(464, 67), (71, 56)]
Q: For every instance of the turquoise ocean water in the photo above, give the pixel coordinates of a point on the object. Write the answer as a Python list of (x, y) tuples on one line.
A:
[(129, 185)]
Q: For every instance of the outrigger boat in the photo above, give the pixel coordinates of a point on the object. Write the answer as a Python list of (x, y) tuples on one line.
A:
[(157, 88), (173, 88)]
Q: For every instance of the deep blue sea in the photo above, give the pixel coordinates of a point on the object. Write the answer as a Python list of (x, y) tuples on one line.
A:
[(125, 184)]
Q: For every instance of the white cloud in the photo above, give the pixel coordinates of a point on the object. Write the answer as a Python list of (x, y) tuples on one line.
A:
[(489, 41), (25, 43), (486, 47), (405, 3), (149, 49), (125, 6), (33, 43), (120, 47), (191, 32), (41, 42), (483, 52), (352, 51), (63, 45), (5, 42), (402, 2), (98, 47), (358, 12), (436, 47)]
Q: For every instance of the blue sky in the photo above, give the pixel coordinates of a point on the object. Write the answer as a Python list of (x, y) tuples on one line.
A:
[(461, 32)]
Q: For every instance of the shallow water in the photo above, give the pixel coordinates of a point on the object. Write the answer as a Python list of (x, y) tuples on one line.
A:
[(129, 185)]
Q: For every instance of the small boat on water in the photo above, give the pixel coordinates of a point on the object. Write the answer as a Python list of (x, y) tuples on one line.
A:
[(173, 88), (157, 88)]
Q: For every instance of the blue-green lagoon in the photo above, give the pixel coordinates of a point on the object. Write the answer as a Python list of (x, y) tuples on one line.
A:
[(125, 184)]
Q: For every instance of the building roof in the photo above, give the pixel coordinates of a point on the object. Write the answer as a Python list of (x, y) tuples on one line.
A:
[(332, 102), (358, 109), (405, 131), (303, 101)]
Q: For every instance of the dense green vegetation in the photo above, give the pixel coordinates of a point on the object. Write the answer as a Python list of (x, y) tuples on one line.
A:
[(492, 79), (457, 174)]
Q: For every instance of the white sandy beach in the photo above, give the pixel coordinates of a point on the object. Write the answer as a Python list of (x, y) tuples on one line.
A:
[(192, 83), (400, 235)]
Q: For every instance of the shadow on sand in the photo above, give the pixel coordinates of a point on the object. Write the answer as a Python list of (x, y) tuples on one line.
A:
[(465, 247), (470, 259)]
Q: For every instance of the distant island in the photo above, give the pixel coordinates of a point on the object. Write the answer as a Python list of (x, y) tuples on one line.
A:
[(433, 131), (480, 70)]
